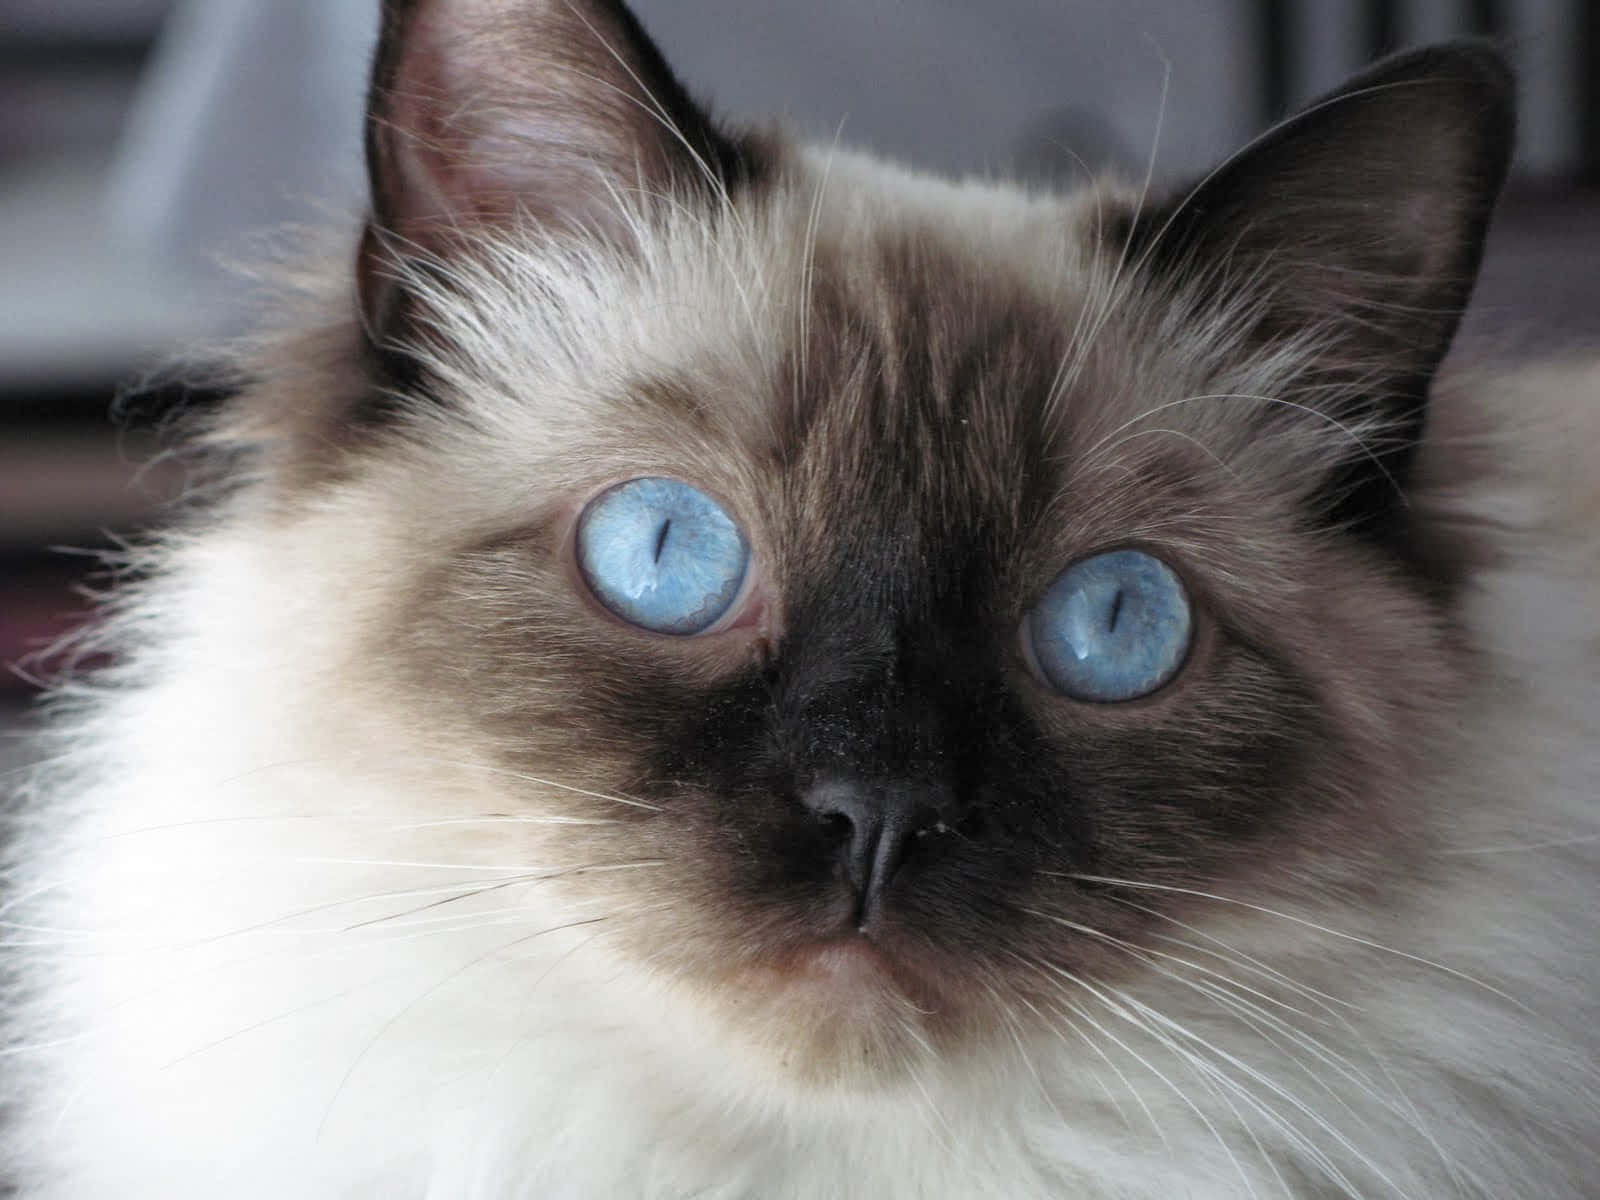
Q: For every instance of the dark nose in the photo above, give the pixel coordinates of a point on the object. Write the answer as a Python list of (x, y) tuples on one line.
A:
[(873, 825)]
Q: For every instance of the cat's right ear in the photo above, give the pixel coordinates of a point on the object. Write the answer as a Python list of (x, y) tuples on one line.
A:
[(559, 113)]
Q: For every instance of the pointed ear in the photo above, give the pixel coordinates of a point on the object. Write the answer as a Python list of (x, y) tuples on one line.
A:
[(1355, 228), (486, 112)]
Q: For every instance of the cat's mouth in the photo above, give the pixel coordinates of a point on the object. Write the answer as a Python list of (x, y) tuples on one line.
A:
[(852, 978), (845, 1011)]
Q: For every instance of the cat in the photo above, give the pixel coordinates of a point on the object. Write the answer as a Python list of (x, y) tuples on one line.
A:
[(713, 667)]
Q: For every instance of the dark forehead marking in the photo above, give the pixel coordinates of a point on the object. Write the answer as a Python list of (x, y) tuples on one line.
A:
[(926, 377)]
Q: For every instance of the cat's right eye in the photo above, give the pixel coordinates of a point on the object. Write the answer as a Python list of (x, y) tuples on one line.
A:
[(662, 555)]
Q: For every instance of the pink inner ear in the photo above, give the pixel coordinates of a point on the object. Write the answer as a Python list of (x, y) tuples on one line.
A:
[(1427, 209), (531, 110), (428, 151)]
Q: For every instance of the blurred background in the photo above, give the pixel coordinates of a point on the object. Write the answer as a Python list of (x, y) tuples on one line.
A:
[(145, 144)]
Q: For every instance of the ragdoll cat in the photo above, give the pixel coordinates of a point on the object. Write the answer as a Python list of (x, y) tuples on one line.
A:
[(722, 669)]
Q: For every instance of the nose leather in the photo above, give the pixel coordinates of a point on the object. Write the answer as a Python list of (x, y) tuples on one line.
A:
[(883, 820)]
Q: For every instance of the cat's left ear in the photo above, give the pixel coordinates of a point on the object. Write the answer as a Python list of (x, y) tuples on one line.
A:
[(1353, 231), (558, 113)]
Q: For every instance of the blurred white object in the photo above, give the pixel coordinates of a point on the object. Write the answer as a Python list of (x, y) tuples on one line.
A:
[(251, 115), (250, 118)]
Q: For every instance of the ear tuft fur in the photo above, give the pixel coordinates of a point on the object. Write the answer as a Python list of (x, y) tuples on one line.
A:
[(1355, 230), (560, 113)]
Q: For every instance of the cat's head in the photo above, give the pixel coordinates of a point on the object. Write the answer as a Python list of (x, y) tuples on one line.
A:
[(900, 596)]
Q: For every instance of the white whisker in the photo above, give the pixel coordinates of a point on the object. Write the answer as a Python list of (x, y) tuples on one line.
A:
[(808, 264), (1049, 969), (1126, 1082), (1523, 848), (395, 1019), (1180, 1030), (1086, 332), (1348, 937), (1329, 1005), (499, 820), (1107, 442)]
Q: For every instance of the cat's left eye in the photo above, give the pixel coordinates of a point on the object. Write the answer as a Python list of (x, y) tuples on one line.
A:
[(1113, 627), (662, 555)]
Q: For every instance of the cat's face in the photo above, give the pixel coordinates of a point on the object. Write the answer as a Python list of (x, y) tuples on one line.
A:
[(1025, 565)]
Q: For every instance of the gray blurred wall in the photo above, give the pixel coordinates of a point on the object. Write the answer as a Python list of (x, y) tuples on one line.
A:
[(251, 116)]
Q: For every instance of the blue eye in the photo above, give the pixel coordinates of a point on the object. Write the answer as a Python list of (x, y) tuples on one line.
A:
[(1112, 627), (661, 555)]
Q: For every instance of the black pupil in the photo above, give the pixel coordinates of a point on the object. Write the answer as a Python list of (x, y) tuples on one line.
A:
[(1116, 610)]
